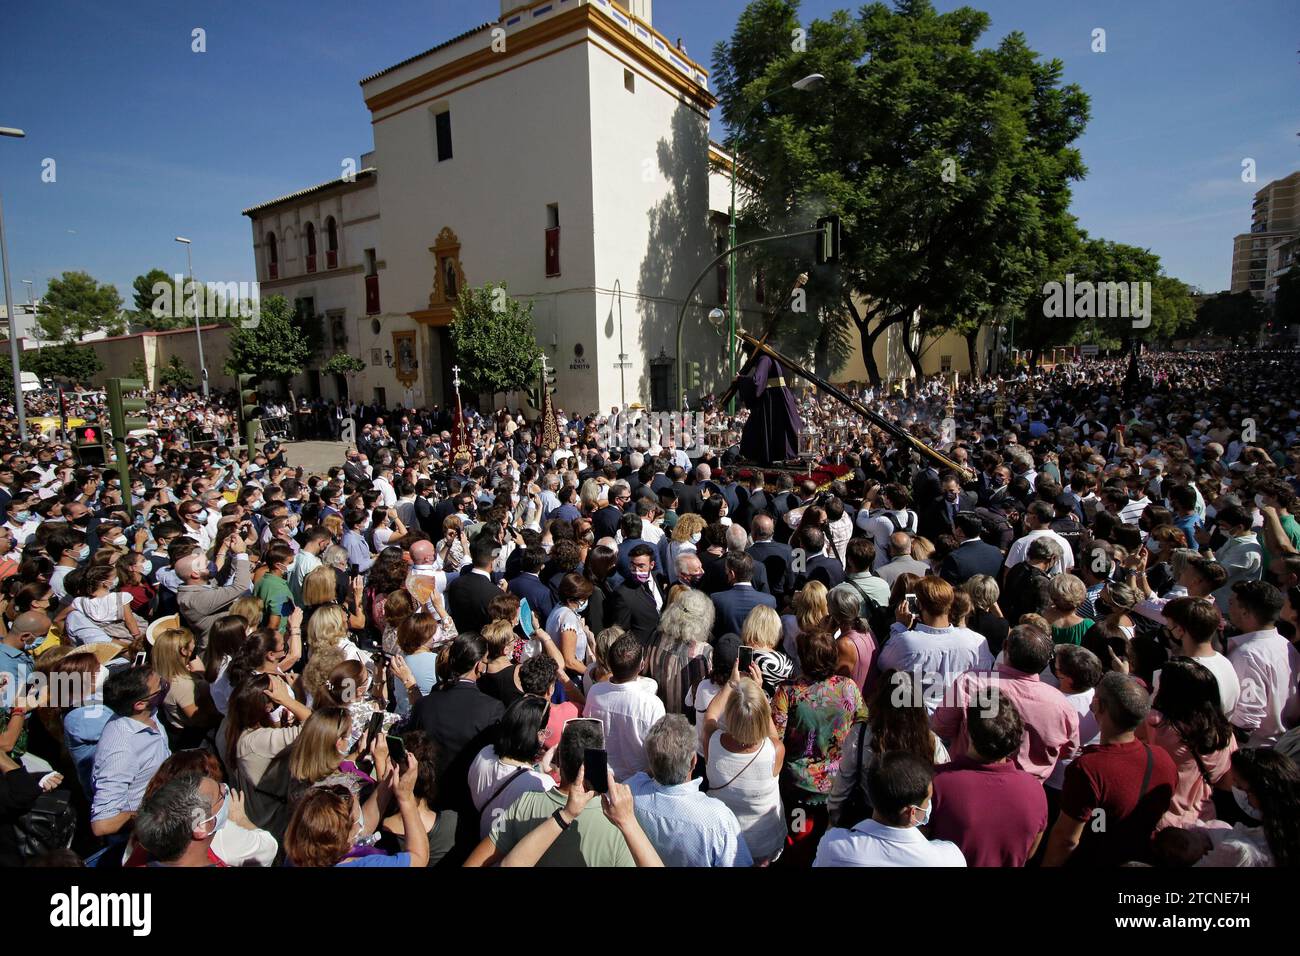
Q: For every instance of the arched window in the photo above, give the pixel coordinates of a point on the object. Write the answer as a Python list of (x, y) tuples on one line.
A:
[(272, 256), (311, 246), (331, 243)]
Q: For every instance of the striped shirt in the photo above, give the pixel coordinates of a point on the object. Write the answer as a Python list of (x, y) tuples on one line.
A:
[(128, 755)]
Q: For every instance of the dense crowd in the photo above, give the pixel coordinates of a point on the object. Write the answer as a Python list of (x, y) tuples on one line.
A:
[(642, 651)]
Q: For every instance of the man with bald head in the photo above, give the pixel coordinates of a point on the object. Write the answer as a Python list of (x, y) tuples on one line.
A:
[(26, 632), (772, 556), (200, 601), (900, 559)]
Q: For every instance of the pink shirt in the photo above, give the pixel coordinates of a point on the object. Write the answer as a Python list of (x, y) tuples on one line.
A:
[(1051, 724), (1193, 800), (865, 645)]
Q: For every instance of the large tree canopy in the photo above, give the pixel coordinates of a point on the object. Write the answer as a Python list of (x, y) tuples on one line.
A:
[(75, 306), (495, 341), (950, 165)]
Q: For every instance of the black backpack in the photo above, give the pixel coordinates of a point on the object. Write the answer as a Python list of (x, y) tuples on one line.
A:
[(877, 616), (49, 825)]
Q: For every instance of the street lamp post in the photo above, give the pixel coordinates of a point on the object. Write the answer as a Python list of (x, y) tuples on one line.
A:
[(622, 356), (20, 405), (681, 314), (198, 334), (809, 82)]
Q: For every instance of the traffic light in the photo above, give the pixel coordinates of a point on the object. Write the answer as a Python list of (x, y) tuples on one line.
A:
[(88, 441), (828, 239), (534, 397), (549, 380), (248, 406), (693, 375), (120, 408)]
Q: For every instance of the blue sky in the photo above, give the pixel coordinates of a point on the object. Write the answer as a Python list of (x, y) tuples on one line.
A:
[(152, 140)]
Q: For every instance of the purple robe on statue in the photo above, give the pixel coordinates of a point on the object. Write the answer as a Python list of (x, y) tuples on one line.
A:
[(772, 432)]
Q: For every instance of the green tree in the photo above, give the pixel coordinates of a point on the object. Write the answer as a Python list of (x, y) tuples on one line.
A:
[(75, 306), (341, 363), (163, 303), (1286, 303), (78, 363), (949, 164), (1236, 316), (139, 369), (175, 374), (1058, 313), (274, 345), (495, 341)]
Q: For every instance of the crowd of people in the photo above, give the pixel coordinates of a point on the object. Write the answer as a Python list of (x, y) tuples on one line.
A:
[(1080, 649)]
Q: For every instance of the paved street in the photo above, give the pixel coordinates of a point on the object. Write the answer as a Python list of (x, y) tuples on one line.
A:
[(314, 456)]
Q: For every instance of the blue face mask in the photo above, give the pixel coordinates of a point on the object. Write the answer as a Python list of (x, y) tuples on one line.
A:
[(84, 553)]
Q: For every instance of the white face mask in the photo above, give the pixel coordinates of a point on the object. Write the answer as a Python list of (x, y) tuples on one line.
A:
[(1243, 802), (923, 816)]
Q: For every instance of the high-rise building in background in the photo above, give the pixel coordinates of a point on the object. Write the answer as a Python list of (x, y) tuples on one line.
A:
[(1275, 222)]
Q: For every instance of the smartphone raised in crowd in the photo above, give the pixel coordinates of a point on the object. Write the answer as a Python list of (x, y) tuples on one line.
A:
[(375, 727), (397, 750), (745, 659), (595, 770), (525, 617), (912, 607)]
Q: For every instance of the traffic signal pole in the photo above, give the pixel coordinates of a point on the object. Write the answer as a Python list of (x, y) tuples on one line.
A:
[(686, 302), (119, 425)]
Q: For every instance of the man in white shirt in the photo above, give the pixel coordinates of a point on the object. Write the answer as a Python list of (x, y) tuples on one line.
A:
[(931, 649), (1038, 516), (625, 708), (893, 517), (1195, 621), (900, 787), (383, 483), (1267, 664)]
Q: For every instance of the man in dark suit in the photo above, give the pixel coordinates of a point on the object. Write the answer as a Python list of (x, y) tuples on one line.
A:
[(636, 604), (973, 556), (733, 605), (463, 720), (816, 564), (688, 496), (630, 525), (772, 556), (605, 521), (939, 516), (529, 585), (468, 596), (926, 484)]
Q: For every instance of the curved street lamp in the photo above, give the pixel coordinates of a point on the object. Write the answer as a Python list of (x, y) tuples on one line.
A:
[(805, 84)]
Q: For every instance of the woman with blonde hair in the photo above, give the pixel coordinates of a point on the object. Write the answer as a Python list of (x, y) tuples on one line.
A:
[(320, 589), (685, 540), (328, 627), (250, 609), (762, 632), (986, 617), (322, 750), (922, 549), (681, 656), (599, 668), (334, 525), (589, 496), (743, 763), (809, 612), (1065, 593), (187, 708)]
